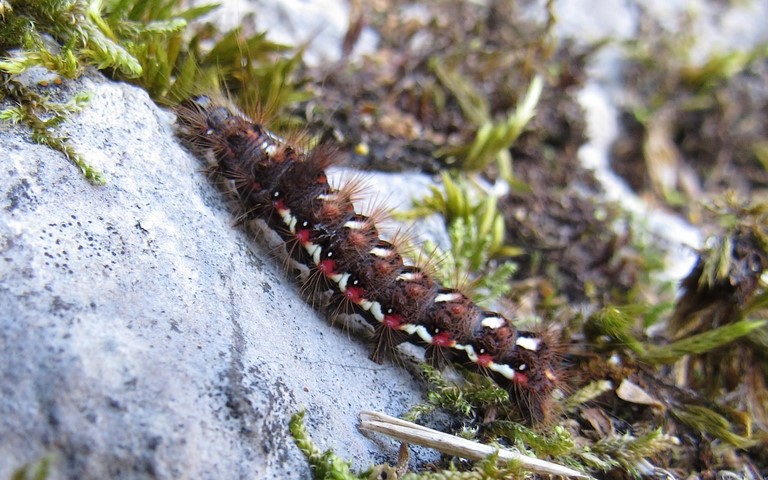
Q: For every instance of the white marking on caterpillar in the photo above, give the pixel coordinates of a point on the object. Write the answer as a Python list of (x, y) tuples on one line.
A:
[(503, 369), (365, 304), (419, 330), (408, 277), (284, 212), (376, 311), (314, 251), (355, 225), (469, 350), (343, 282), (337, 277), (528, 343), (381, 252), (270, 149), (448, 297), (493, 322)]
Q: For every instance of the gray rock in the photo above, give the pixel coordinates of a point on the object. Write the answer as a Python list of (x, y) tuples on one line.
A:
[(142, 336)]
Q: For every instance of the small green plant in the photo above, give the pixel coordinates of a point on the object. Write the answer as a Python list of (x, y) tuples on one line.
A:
[(479, 392), (327, 465), (79, 41), (492, 140), (675, 95), (324, 465), (42, 116), (26, 28), (38, 470), (705, 419), (720, 67), (717, 323), (487, 469), (626, 452), (250, 69), (615, 324), (760, 149)]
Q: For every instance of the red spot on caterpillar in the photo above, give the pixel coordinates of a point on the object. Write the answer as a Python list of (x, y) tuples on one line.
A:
[(484, 360), (303, 235), (355, 294), (279, 204), (327, 267), (443, 339), (393, 321)]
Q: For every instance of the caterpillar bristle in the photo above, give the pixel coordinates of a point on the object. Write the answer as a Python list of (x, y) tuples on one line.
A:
[(313, 287), (351, 269), (428, 260)]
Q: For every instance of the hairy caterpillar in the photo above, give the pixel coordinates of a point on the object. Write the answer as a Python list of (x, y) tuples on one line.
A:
[(288, 189)]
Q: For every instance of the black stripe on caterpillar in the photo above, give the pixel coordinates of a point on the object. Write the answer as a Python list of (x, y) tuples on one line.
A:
[(287, 188)]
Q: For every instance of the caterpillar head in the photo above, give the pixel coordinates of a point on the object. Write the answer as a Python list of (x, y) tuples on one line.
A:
[(535, 376), (203, 124)]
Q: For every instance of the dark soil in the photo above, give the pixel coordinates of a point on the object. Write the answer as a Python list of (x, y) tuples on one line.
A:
[(713, 126)]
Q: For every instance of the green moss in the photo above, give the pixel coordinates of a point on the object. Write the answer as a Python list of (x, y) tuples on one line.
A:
[(467, 401), (626, 452), (325, 465), (42, 116), (487, 469), (615, 326), (149, 44), (707, 420), (38, 470)]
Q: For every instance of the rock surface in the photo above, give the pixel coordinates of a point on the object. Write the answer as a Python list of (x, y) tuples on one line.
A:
[(142, 336)]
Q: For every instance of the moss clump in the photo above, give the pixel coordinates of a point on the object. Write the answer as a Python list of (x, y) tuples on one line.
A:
[(150, 44)]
